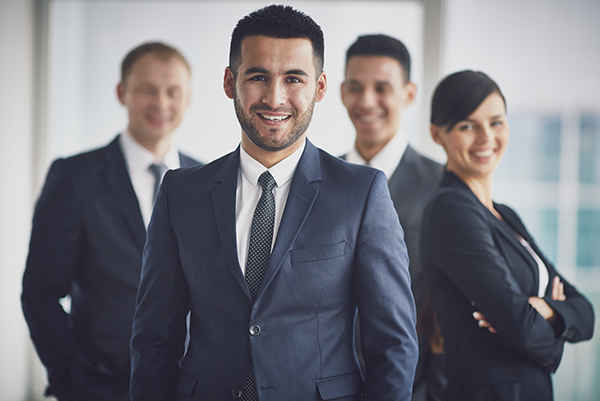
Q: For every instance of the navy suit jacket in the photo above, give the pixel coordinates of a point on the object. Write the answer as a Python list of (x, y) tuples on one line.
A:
[(411, 185), (339, 248), (86, 242), (472, 256)]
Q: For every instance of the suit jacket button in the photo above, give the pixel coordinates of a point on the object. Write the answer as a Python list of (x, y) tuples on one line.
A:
[(237, 393), (254, 330)]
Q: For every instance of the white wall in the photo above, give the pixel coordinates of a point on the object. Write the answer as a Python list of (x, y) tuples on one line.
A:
[(544, 54), (16, 116)]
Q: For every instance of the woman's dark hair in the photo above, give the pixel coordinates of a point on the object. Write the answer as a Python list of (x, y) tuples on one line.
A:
[(459, 95)]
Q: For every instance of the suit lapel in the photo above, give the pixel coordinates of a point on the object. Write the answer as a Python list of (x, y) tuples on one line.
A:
[(122, 190), (401, 183), (299, 203), (223, 198), (502, 228), (508, 229)]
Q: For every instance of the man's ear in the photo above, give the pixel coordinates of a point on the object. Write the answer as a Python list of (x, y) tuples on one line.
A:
[(411, 92), (228, 82), (321, 87), (121, 93), (343, 91)]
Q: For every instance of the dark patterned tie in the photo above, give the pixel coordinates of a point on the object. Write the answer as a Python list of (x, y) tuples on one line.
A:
[(157, 171), (259, 252), (261, 234)]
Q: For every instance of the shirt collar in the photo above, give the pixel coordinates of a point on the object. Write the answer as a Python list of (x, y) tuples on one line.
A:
[(282, 171), (387, 159), (139, 158)]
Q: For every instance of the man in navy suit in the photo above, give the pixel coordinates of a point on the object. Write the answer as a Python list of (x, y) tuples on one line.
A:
[(334, 246), (89, 230), (376, 89)]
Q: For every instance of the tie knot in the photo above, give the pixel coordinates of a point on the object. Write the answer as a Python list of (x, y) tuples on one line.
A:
[(267, 181), (157, 170)]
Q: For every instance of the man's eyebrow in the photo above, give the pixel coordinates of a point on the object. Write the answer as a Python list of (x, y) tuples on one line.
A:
[(261, 70), (255, 70), (297, 72)]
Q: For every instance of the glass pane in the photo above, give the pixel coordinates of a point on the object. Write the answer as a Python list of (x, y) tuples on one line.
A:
[(588, 238), (589, 150), (534, 149)]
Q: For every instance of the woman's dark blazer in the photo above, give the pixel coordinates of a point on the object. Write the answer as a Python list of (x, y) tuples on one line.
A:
[(473, 258)]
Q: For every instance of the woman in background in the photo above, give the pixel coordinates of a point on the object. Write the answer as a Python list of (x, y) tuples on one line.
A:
[(504, 311)]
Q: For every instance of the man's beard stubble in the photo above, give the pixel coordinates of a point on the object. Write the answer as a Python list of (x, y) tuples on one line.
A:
[(297, 130)]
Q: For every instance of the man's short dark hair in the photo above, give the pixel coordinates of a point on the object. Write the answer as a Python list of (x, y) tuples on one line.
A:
[(381, 45), (280, 22), (158, 49)]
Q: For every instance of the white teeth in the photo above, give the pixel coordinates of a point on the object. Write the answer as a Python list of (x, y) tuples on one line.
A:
[(484, 153), (274, 118), (368, 119)]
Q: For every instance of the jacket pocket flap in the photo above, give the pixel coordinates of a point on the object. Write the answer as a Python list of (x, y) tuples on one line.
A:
[(185, 383), (340, 386), (323, 252)]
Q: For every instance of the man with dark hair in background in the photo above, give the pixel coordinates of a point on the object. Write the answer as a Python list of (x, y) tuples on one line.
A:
[(376, 89), (272, 249), (89, 230)]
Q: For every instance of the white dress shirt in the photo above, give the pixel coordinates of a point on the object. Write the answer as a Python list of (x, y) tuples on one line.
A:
[(138, 159), (544, 277), (248, 193), (387, 159)]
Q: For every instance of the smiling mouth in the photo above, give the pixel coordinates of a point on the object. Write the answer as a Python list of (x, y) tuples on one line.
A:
[(367, 119), (273, 118), (484, 153), (158, 119)]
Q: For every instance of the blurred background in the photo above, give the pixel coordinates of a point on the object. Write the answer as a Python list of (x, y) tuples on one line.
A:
[(60, 63)]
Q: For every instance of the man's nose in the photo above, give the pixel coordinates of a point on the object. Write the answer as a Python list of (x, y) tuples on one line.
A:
[(368, 99), (275, 95), (161, 100)]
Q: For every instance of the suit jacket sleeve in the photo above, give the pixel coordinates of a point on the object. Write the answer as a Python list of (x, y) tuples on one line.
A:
[(159, 326), (53, 251), (576, 312), (385, 301), (466, 253)]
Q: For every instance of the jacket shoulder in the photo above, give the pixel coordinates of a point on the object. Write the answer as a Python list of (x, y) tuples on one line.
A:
[(422, 165), (337, 166), (188, 161), (89, 162)]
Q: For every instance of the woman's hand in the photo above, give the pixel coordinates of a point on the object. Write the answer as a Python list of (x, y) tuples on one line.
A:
[(558, 294), (482, 321), (558, 290)]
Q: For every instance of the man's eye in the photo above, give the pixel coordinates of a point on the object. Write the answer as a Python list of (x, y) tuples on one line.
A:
[(175, 92), (294, 80), (258, 78), (147, 91), (355, 89), (381, 89)]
